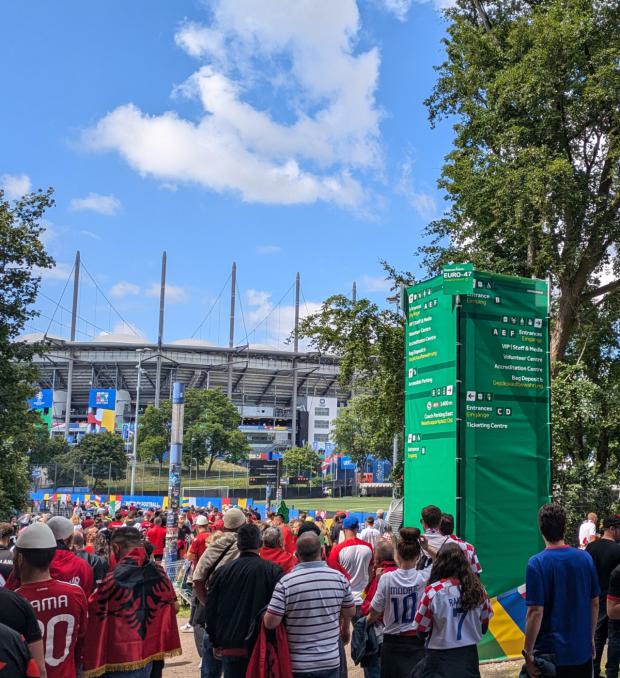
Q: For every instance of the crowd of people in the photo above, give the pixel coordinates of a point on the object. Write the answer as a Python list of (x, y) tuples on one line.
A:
[(87, 595)]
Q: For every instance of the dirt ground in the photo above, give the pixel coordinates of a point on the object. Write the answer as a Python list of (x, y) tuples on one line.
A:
[(186, 665)]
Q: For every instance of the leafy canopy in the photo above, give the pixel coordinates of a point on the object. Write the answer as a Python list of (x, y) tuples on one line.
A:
[(22, 253), (534, 175)]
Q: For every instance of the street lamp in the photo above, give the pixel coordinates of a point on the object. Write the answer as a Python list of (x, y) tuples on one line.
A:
[(134, 461)]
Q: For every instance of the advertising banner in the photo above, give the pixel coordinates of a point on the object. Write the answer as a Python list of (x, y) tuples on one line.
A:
[(102, 398), (101, 410), (42, 400), (505, 436), (430, 400)]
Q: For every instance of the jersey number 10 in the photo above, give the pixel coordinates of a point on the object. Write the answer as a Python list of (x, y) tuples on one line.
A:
[(409, 608)]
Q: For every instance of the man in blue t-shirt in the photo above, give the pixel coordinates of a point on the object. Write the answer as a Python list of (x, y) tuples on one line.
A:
[(562, 593)]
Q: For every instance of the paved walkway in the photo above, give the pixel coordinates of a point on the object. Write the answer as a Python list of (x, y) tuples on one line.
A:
[(186, 665)]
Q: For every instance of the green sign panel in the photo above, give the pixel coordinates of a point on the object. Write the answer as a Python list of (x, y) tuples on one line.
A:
[(430, 400), (505, 432), (486, 460), (458, 279)]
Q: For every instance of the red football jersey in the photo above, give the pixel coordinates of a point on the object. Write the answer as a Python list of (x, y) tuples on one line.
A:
[(61, 610)]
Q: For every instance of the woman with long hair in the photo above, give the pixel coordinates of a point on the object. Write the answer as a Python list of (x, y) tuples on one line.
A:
[(396, 599), (455, 611)]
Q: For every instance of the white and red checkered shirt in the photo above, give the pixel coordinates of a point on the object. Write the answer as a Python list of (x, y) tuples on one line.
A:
[(440, 613), (470, 553), (437, 540)]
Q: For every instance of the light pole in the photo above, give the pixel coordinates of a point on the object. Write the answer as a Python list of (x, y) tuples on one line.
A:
[(134, 460)]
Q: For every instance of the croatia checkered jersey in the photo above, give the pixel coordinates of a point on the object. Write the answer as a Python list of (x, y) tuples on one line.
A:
[(437, 540), (440, 614), (470, 553)]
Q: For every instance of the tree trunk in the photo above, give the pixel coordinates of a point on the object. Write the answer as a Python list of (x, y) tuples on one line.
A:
[(211, 460), (564, 324)]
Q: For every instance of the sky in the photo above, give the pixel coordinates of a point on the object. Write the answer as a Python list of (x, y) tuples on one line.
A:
[(284, 135)]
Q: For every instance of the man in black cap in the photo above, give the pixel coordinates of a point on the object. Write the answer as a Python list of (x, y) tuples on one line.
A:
[(605, 553)]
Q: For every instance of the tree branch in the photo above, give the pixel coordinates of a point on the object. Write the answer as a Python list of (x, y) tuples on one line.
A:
[(600, 291)]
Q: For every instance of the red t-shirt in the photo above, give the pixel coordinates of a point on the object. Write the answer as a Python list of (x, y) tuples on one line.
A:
[(288, 538), (61, 610), (198, 546), (157, 536)]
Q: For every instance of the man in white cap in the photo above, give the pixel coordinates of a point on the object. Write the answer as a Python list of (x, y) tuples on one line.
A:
[(65, 566), (60, 607), (217, 554)]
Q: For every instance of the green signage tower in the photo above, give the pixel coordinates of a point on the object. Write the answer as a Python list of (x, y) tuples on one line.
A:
[(477, 412)]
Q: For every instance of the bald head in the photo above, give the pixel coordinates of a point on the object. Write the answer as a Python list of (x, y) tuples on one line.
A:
[(308, 547)]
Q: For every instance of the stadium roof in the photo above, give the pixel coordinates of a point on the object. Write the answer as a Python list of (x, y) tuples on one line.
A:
[(260, 375)]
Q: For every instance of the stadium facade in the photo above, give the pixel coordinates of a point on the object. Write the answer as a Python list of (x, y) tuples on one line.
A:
[(89, 384)]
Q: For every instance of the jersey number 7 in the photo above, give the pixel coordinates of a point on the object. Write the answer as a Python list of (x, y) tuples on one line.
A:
[(456, 611)]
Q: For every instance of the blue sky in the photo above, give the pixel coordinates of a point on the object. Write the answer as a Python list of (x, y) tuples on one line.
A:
[(285, 136)]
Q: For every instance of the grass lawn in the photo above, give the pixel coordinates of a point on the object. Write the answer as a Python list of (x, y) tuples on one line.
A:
[(365, 504)]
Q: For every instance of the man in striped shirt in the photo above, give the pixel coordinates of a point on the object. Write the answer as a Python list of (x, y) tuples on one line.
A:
[(316, 604)]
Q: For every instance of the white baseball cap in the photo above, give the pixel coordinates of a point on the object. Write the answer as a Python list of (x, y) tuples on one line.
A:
[(61, 527), (202, 520), (36, 536)]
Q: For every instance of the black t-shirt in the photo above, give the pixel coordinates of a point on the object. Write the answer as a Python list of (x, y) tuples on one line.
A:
[(17, 613), (14, 655), (614, 584), (6, 562), (606, 556)]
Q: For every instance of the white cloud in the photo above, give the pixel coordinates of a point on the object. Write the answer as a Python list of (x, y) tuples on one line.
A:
[(15, 185), (174, 294), (268, 249), (60, 271), (90, 234), (281, 321), (124, 289), (422, 202), (301, 60), (94, 202), (399, 8), (371, 283)]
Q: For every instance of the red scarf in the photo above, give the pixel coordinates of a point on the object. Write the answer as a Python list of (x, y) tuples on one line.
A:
[(132, 618)]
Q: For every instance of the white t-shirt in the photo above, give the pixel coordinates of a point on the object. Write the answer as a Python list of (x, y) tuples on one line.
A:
[(587, 530), (397, 596), (353, 556), (440, 613), (371, 535)]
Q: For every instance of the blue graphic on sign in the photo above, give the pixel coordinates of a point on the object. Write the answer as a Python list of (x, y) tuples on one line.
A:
[(42, 400), (103, 398)]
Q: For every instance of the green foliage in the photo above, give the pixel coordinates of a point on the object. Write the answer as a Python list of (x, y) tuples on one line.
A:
[(21, 253), (154, 433), (304, 458), (370, 344), (210, 429), (580, 489), (41, 448), (534, 175), (99, 455), (213, 430), (358, 431)]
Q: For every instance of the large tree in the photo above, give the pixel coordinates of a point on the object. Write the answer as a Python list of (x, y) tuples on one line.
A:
[(98, 455), (210, 429), (21, 254), (533, 179), (370, 344)]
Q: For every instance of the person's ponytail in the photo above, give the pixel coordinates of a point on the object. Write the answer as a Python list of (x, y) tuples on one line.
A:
[(408, 546)]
